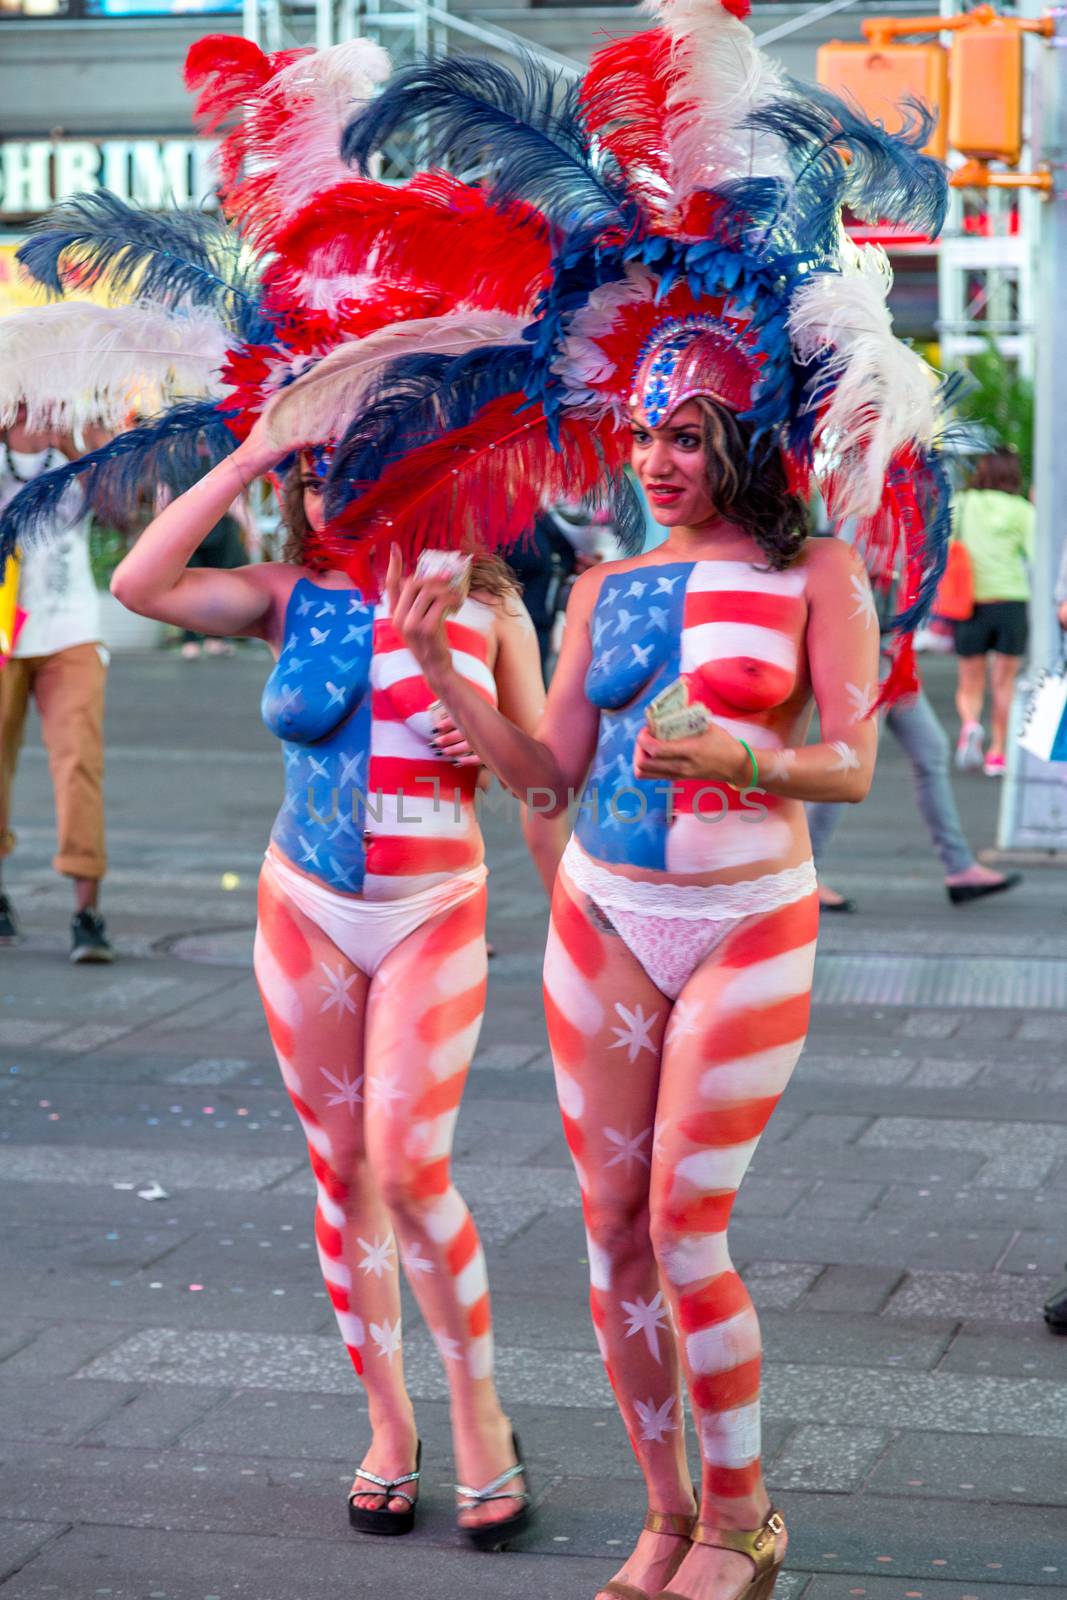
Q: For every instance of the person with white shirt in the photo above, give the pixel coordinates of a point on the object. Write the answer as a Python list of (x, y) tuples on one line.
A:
[(58, 661)]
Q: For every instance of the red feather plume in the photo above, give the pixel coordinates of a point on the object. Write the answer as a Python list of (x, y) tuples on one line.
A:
[(624, 98), (227, 74), (480, 487), (434, 231)]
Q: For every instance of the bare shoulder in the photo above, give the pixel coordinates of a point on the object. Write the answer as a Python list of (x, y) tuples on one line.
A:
[(830, 565), (509, 613)]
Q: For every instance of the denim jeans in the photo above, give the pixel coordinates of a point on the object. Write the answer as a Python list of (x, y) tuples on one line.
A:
[(913, 723)]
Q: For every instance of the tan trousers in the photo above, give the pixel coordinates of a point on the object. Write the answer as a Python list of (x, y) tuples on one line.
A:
[(68, 688)]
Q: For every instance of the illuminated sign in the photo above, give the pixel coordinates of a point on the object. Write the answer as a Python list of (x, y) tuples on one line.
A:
[(158, 174)]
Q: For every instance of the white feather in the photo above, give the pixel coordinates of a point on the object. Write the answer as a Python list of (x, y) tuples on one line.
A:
[(76, 362), (723, 77), (879, 394), (301, 114), (319, 406), (582, 364)]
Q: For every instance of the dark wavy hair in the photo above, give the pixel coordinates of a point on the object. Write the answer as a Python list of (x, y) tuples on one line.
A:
[(749, 486), (489, 574)]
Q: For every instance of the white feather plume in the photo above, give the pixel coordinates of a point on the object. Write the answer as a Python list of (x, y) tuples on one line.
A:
[(319, 406), (881, 394), (582, 364), (75, 362), (301, 113), (723, 77)]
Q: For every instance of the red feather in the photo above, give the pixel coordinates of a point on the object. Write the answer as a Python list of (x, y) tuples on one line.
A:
[(229, 75), (624, 98), (482, 486), (434, 231)]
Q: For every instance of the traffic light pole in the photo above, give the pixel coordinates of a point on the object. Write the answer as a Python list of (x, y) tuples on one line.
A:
[(1033, 809)]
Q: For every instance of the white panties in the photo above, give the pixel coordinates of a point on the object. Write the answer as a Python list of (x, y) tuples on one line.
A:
[(366, 931), (671, 927)]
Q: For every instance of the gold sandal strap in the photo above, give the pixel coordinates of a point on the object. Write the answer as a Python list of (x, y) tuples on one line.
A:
[(623, 1591), (756, 1543), (675, 1522)]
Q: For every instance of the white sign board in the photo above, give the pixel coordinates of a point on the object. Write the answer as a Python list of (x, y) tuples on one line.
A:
[(158, 174)]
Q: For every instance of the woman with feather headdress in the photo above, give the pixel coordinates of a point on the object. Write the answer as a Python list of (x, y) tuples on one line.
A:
[(702, 318)]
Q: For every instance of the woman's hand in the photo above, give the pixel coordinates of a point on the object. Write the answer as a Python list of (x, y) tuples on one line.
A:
[(418, 608), (258, 453), (715, 756), (450, 741)]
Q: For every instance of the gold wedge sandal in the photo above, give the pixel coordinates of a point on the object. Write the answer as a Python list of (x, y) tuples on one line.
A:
[(672, 1522), (756, 1543)]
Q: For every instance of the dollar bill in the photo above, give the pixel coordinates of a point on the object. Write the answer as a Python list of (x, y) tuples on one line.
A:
[(452, 565), (685, 723), (672, 698)]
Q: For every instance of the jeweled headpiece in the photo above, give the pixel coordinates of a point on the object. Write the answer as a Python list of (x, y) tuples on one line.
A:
[(691, 357)]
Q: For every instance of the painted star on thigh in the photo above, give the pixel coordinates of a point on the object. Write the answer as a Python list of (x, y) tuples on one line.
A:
[(450, 1348), (385, 1088), (378, 1258), (656, 1421), (336, 990), (685, 1019), (633, 1037), (415, 1263), (647, 1317), (386, 1336), (629, 1147), (348, 1090)]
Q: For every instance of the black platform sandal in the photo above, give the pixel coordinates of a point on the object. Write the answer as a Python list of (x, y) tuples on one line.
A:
[(383, 1521), (497, 1535)]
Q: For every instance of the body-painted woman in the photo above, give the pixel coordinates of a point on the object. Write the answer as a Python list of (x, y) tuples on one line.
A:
[(370, 952), (679, 961)]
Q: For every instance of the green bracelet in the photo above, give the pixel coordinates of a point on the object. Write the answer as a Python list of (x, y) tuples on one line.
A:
[(755, 769)]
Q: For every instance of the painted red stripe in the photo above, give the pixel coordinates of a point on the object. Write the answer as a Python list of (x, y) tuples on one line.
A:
[(441, 1099), (330, 1239), (460, 637), (580, 939), (281, 1035), (450, 1016), (708, 1213), (784, 613), (464, 923), (327, 1177), (284, 937), (425, 778), (568, 1044), (744, 1033), (730, 1483), (710, 801), (729, 1124), (432, 1180), (356, 1358), (725, 1391), (773, 934), (572, 1133), (716, 1301), (392, 855), (463, 1249), (479, 1317)]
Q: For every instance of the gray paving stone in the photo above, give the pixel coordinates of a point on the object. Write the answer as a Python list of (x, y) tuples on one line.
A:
[(887, 1069), (776, 1285), (930, 1024), (969, 1296), (212, 1072), (20, 1542), (802, 1335), (886, 1244), (1004, 1471), (1035, 1251), (1024, 1159), (847, 1588), (157, 1417), (932, 1074), (1025, 1352), (76, 1164), (58, 1351), (941, 1203), (34, 1409), (834, 1460), (1043, 1029), (852, 1289), (826, 1128), (867, 1163), (768, 1197), (831, 1198)]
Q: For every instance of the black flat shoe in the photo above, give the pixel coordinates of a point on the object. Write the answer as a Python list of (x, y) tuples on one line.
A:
[(1056, 1309), (9, 925), (961, 893), (382, 1521), (497, 1535), (839, 905)]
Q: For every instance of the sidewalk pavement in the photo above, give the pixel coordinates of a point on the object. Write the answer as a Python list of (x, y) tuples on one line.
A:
[(179, 1420)]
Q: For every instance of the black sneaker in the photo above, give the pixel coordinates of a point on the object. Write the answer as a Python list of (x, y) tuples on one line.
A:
[(88, 937), (9, 928)]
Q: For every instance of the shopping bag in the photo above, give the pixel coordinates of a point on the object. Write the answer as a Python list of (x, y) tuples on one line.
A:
[(954, 599), (1045, 725), (11, 614)]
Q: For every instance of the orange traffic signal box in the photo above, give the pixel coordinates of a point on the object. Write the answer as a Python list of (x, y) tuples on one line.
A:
[(880, 79)]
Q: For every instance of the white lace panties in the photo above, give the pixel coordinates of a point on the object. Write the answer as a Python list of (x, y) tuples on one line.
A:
[(671, 927)]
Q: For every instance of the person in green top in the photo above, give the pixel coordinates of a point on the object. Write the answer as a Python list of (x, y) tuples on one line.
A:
[(995, 522)]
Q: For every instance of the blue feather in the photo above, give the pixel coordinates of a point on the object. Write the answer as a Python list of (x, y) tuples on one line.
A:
[(526, 129), (171, 451), (183, 256)]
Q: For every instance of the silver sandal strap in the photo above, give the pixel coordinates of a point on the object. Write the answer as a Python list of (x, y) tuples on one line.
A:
[(389, 1487), (477, 1497)]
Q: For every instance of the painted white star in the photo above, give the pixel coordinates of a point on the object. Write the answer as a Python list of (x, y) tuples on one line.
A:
[(624, 620), (647, 1317), (384, 1086), (685, 1018), (629, 1147), (636, 589), (863, 599), (662, 1124), (378, 1258), (641, 653), (665, 585), (386, 1336), (656, 1421), (860, 699), (633, 1037), (449, 1347), (779, 768), (847, 759), (347, 1089), (658, 618), (415, 1262), (336, 990)]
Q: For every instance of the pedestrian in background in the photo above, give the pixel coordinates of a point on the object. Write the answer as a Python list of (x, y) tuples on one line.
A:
[(58, 661), (1059, 594), (995, 525)]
